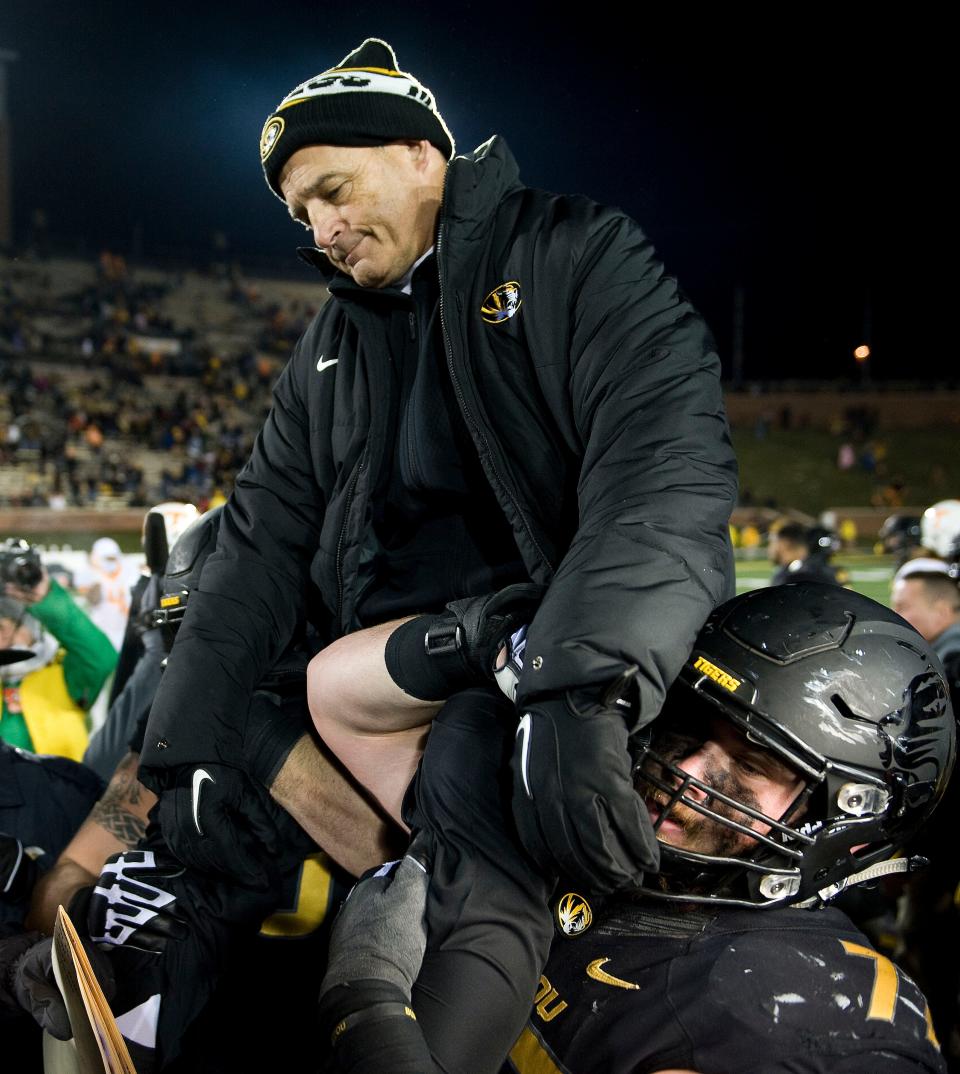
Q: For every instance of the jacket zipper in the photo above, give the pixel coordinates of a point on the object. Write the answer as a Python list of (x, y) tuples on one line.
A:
[(471, 424), (343, 530)]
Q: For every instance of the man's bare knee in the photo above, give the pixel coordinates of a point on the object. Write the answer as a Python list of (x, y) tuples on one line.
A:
[(322, 690), (349, 688)]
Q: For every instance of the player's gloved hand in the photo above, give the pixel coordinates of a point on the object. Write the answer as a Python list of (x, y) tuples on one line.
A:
[(217, 820), (132, 904), (35, 987), (11, 949), (36, 990), (380, 933), (18, 871), (574, 801), (476, 628)]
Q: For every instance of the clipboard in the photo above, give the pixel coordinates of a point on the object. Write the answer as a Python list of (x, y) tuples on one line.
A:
[(99, 1045)]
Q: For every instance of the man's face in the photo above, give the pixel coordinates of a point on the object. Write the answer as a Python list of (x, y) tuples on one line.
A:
[(928, 615), (773, 549), (782, 552), (729, 763), (371, 210)]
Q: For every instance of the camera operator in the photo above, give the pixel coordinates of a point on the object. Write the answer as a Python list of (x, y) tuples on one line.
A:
[(61, 663)]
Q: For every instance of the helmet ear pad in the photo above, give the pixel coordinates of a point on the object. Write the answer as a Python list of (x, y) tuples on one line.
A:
[(846, 693)]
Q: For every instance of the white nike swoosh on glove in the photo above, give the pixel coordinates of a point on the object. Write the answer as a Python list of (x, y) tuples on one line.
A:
[(199, 777), (523, 728)]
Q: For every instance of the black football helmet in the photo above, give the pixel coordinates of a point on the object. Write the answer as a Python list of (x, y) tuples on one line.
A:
[(899, 536), (843, 692), (182, 573), (182, 577)]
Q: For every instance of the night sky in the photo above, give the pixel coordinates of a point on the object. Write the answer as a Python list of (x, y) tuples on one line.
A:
[(799, 157)]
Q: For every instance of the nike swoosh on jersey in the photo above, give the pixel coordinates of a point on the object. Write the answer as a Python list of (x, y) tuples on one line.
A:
[(523, 728), (595, 971), (322, 365), (199, 778)]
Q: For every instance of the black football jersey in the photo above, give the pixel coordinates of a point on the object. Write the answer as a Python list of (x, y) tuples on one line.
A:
[(651, 987)]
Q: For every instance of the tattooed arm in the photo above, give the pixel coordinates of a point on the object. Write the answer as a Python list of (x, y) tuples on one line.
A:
[(115, 824)]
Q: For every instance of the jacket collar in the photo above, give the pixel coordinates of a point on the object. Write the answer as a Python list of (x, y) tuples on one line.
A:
[(476, 182)]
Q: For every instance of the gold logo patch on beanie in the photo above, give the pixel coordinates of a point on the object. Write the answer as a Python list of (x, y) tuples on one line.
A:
[(270, 135)]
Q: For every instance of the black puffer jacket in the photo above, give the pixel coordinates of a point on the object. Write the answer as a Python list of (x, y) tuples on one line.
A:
[(597, 415)]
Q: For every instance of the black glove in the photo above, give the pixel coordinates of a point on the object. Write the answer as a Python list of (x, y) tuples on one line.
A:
[(216, 820), (36, 991), (18, 871), (380, 933), (476, 628), (574, 801), (11, 949), (132, 904)]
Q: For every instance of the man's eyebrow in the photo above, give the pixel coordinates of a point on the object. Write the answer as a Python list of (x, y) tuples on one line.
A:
[(312, 190), (754, 751), (773, 765)]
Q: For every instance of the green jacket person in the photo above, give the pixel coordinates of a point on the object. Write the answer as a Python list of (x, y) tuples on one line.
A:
[(47, 694)]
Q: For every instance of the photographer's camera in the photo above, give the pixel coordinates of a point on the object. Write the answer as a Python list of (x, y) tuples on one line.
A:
[(20, 563)]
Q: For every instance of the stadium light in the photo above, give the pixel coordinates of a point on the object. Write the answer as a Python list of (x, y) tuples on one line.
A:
[(861, 353)]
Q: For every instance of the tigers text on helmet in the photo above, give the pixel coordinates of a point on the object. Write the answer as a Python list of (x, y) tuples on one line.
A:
[(845, 696)]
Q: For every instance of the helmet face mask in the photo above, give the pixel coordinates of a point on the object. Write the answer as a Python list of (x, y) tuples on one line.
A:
[(852, 709)]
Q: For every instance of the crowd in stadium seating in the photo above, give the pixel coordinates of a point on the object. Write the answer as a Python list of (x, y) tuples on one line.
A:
[(105, 395)]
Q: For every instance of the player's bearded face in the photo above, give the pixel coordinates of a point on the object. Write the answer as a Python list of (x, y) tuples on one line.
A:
[(721, 758), (685, 827)]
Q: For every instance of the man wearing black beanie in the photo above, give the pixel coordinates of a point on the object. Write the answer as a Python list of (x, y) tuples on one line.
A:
[(504, 389)]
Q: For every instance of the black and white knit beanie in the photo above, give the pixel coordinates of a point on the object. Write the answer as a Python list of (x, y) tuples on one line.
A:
[(364, 100)]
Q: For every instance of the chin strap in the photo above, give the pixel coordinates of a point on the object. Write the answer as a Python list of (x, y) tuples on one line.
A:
[(872, 872)]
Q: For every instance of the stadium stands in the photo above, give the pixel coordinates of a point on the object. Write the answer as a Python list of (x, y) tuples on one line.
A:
[(122, 387)]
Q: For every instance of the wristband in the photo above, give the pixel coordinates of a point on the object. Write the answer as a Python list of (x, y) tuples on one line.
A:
[(374, 1013)]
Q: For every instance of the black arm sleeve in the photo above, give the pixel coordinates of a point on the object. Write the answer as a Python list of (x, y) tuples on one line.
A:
[(373, 1029)]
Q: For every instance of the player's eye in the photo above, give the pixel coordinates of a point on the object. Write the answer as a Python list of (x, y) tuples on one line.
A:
[(750, 767)]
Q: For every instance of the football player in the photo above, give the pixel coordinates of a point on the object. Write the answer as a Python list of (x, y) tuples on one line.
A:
[(808, 736)]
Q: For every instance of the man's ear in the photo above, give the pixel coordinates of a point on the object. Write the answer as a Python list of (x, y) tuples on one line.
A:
[(423, 155), (419, 153)]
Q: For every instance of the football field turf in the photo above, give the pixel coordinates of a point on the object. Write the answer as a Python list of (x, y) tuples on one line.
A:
[(870, 575)]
